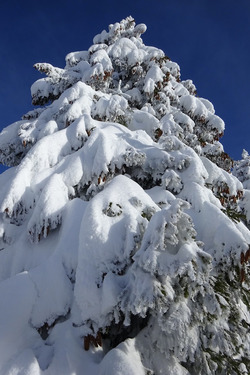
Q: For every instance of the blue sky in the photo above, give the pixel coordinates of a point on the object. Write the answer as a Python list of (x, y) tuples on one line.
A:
[(209, 39)]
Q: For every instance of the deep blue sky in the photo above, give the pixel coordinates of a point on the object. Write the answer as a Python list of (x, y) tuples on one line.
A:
[(209, 39)]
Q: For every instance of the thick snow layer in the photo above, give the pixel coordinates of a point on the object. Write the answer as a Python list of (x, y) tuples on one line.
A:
[(111, 233), (153, 76), (123, 360), (17, 294)]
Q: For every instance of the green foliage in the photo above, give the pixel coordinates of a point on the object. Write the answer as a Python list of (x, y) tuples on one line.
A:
[(113, 210), (234, 215)]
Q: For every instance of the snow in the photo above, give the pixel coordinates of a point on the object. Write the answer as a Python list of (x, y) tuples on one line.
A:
[(74, 58), (111, 242), (153, 76), (49, 206), (110, 108), (145, 121), (123, 49), (118, 218), (102, 57), (17, 294), (193, 106), (123, 360)]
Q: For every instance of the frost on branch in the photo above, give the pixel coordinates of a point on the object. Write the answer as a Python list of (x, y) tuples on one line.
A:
[(122, 229)]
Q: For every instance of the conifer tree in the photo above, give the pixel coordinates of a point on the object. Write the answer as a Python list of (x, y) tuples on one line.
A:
[(124, 233)]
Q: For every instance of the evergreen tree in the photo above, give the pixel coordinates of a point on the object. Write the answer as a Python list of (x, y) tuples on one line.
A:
[(124, 235)]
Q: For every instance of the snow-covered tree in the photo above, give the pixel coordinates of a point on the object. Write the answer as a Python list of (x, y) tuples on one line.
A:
[(124, 235)]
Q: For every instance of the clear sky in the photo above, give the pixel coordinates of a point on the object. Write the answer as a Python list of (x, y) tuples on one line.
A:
[(209, 39)]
